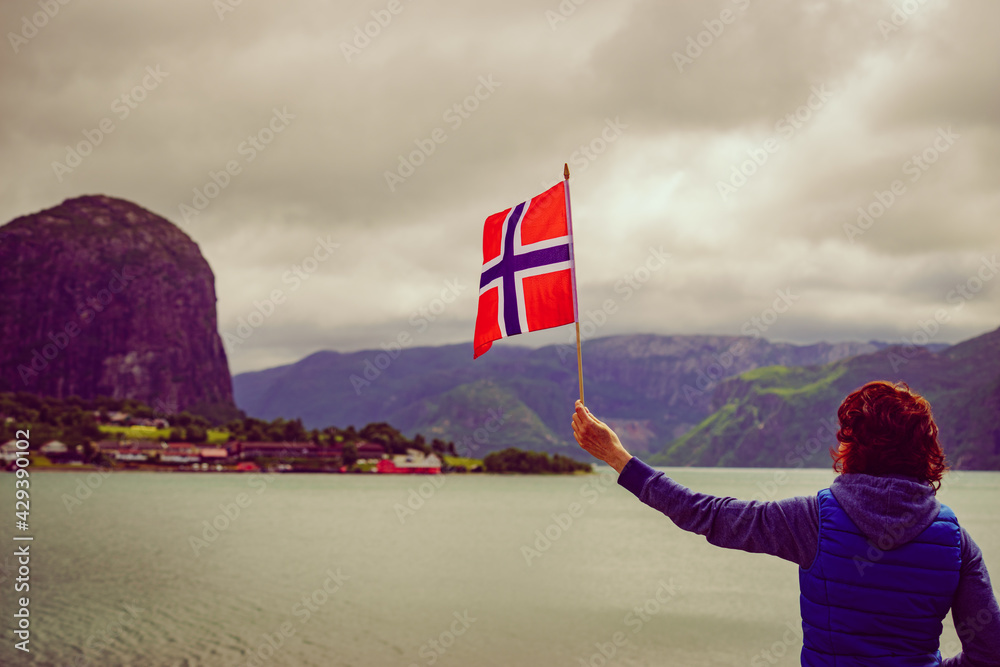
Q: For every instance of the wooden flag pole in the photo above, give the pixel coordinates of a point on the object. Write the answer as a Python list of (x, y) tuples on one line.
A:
[(579, 362), (576, 310)]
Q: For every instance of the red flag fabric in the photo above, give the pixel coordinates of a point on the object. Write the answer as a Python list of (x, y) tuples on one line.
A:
[(527, 283)]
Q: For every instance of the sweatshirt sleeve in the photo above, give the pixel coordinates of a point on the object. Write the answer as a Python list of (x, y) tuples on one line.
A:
[(974, 611), (787, 528)]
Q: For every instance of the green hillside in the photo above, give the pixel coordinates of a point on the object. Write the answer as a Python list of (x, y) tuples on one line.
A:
[(786, 417), (474, 416)]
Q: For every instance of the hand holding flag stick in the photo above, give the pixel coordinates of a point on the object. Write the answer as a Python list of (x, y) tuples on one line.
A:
[(528, 281), (598, 439)]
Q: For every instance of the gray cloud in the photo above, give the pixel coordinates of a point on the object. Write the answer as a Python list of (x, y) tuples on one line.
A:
[(557, 82)]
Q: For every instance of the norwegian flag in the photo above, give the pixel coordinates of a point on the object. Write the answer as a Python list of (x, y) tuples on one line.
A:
[(528, 281)]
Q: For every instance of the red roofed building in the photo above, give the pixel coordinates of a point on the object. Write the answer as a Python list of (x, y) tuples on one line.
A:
[(180, 452), (413, 462), (211, 454), (367, 451), (133, 455), (275, 450)]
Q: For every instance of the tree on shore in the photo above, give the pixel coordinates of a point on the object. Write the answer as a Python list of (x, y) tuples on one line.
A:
[(350, 454), (513, 460)]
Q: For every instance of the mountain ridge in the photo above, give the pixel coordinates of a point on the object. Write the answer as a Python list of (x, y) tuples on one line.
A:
[(770, 416), (651, 387)]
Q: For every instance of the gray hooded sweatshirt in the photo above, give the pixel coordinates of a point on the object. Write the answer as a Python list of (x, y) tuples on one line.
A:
[(889, 510)]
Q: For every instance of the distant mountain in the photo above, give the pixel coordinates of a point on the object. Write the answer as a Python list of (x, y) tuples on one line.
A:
[(100, 297), (652, 389), (786, 417)]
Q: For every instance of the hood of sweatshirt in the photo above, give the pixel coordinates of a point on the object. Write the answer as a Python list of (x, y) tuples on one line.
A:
[(889, 510)]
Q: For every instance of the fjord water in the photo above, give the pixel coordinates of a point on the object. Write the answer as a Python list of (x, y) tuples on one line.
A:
[(332, 570)]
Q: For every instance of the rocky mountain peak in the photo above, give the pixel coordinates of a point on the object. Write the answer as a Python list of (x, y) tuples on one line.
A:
[(99, 296)]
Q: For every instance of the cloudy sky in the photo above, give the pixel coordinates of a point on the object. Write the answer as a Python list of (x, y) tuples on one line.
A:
[(843, 154)]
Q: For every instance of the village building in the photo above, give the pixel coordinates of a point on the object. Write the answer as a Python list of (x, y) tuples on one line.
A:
[(8, 451), (413, 462)]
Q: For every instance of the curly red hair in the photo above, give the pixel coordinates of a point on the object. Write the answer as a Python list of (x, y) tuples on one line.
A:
[(888, 429)]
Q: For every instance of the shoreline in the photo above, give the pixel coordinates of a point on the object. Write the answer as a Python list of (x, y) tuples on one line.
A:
[(89, 468)]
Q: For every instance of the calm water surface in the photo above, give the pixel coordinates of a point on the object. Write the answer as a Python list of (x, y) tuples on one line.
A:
[(341, 570)]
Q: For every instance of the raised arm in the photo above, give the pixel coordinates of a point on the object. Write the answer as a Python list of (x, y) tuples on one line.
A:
[(786, 528)]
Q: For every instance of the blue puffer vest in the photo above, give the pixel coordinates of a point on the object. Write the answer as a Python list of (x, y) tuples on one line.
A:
[(867, 607)]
